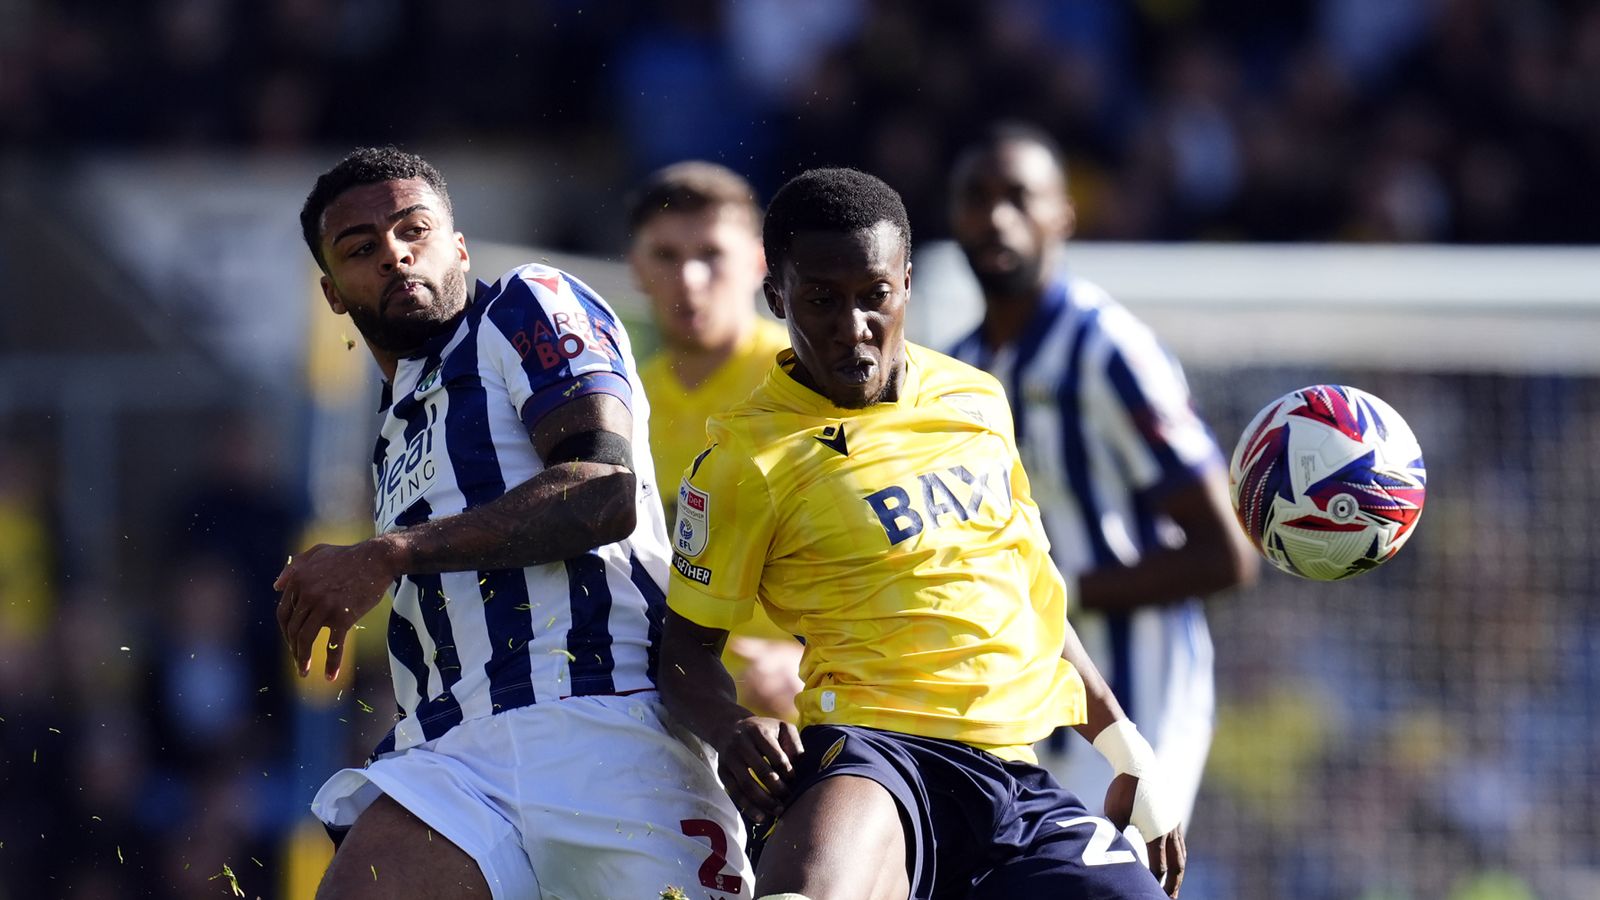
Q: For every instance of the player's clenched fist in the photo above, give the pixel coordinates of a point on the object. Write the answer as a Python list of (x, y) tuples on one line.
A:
[(756, 763), (332, 587)]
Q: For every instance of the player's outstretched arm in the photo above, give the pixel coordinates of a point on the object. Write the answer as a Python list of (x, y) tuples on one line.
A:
[(755, 754), (1135, 794), (583, 499), (1215, 554)]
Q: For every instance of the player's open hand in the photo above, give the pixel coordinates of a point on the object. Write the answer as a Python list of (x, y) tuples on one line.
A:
[(330, 587), (756, 764), (1167, 858)]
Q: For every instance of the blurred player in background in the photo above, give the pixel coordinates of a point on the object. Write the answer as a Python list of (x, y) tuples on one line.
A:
[(526, 557), (870, 496), (1132, 487), (696, 254)]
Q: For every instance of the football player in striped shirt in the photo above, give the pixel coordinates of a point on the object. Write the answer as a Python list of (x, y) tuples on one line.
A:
[(869, 495), (696, 254), (526, 551), (1131, 485)]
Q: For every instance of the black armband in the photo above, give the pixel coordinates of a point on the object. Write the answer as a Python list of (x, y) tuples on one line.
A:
[(593, 446)]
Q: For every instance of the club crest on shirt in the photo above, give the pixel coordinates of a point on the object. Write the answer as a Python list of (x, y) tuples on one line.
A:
[(969, 405), (428, 382), (694, 524)]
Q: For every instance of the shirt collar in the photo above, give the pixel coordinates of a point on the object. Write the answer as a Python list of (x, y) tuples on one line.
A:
[(435, 345)]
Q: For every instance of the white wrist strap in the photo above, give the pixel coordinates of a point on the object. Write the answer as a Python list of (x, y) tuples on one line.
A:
[(1125, 748), (1154, 813)]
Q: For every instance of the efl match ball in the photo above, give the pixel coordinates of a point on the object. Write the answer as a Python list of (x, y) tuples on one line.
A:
[(1328, 482)]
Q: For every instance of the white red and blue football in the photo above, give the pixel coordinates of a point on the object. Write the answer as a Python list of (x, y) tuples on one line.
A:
[(1328, 482)]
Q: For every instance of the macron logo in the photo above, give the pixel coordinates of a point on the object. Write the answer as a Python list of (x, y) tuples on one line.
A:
[(832, 437)]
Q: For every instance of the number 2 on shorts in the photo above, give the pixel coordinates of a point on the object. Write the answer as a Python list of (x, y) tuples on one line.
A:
[(711, 874), (1098, 852)]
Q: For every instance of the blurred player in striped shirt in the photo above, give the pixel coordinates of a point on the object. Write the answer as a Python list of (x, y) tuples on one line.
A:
[(521, 536), (1130, 482)]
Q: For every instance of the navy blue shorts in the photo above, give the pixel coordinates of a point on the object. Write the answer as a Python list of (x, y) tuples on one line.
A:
[(977, 826)]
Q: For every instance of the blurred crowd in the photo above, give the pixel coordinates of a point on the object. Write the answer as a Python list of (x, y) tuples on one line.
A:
[(152, 742), (146, 728), (1366, 120)]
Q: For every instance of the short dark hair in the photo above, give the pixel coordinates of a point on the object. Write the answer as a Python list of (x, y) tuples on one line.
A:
[(692, 186), (1017, 131), (368, 165), (833, 200)]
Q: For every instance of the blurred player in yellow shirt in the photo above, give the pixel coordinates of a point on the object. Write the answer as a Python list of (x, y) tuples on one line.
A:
[(695, 252), (870, 497)]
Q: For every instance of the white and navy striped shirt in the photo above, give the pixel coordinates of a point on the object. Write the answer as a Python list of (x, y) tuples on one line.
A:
[(455, 435), (1105, 425)]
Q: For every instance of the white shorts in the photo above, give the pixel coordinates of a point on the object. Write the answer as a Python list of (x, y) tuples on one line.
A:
[(587, 797)]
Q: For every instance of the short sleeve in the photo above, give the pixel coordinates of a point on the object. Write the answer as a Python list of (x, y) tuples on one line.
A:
[(720, 538), (1021, 486), (553, 340), (1147, 414), (1046, 586)]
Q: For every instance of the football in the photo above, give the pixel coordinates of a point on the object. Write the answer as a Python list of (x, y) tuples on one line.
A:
[(1328, 482)]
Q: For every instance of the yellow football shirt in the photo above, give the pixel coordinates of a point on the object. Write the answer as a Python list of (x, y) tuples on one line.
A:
[(900, 541), (678, 414)]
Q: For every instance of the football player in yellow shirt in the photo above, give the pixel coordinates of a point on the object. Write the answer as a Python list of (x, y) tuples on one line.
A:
[(696, 255), (870, 498)]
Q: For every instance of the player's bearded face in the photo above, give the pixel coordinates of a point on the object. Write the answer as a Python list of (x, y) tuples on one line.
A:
[(1003, 270), (394, 263), (1008, 210), (844, 298), (411, 309)]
